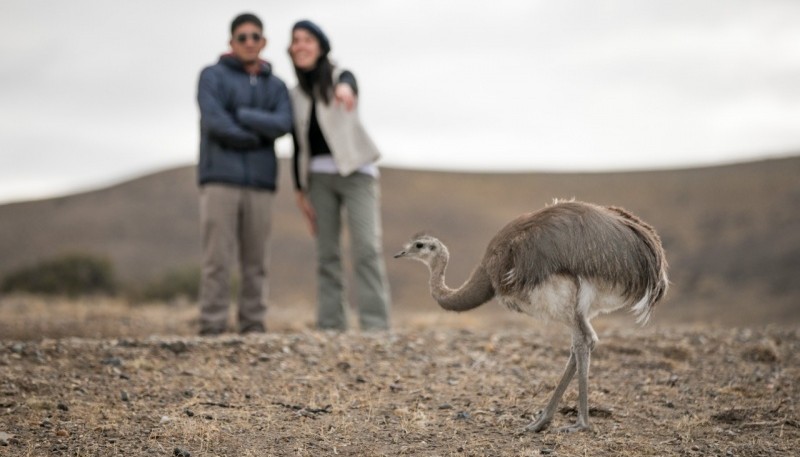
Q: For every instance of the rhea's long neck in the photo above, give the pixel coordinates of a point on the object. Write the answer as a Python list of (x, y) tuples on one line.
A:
[(476, 291)]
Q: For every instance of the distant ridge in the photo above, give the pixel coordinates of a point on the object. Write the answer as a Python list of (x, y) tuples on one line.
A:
[(732, 233)]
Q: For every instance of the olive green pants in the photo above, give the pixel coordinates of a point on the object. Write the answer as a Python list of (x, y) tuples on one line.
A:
[(358, 195), (235, 220)]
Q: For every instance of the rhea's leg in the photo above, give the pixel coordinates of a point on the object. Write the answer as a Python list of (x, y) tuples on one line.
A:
[(584, 342), (547, 415)]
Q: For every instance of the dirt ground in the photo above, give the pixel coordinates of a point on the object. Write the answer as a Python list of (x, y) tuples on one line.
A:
[(430, 388)]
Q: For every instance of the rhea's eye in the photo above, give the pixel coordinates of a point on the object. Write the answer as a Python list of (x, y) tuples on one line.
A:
[(419, 245)]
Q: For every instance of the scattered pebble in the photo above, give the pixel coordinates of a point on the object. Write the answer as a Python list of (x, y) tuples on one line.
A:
[(178, 452), (124, 396), (764, 351), (177, 347), (112, 361)]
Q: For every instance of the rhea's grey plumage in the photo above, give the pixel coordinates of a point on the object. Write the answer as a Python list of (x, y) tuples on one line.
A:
[(568, 262)]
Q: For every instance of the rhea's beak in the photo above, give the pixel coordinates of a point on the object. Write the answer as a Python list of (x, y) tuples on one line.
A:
[(400, 254)]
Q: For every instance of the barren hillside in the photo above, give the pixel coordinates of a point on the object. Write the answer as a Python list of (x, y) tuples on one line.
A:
[(732, 233)]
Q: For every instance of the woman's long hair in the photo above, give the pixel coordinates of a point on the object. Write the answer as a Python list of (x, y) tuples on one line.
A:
[(320, 78)]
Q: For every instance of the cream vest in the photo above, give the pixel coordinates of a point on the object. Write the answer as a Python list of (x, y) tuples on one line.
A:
[(350, 145)]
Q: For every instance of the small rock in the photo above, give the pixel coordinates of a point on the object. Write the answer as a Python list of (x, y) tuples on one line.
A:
[(62, 406), (672, 381), (462, 415), (5, 438), (17, 348), (445, 406), (127, 343), (189, 412), (546, 451), (124, 396), (732, 416), (679, 353), (177, 347), (764, 351), (178, 452), (112, 361), (62, 432), (164, 420)]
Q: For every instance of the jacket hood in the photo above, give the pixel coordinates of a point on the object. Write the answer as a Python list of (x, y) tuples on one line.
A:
[(229, 60)]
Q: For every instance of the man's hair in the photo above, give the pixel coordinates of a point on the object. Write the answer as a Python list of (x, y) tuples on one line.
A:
[(245, 18)]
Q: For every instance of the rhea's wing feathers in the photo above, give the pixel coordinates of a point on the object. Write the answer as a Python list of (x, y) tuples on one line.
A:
[(573, 238), (655, 260), (515, 259)]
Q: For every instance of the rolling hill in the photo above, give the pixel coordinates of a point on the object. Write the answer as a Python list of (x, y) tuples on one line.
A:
[(732, 233)]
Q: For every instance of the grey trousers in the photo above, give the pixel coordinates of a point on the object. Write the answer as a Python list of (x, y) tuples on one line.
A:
[(234, 219), (358, 195)]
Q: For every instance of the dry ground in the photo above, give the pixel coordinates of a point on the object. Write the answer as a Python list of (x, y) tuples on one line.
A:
[(439, 385)]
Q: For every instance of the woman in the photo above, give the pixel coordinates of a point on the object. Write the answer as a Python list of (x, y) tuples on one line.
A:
[(334, 168)]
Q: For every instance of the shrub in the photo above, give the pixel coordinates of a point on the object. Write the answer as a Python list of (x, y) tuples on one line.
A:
[(71, 274), (180, 283)]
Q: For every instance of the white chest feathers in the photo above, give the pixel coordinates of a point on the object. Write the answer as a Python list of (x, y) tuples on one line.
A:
[(562, 298)]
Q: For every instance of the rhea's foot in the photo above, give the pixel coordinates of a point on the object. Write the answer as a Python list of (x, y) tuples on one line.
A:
[(577, 427), (538, 425)]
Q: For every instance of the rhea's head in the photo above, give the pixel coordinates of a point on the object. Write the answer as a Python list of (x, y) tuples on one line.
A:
[(424, 248)]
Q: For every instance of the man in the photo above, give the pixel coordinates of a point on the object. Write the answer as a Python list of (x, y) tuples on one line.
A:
[(243, 109)]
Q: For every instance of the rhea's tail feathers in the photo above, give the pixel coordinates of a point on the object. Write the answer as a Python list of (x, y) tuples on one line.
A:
[(643, 309)]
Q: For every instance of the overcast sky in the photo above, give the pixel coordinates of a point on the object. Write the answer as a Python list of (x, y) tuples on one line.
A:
[(95, 92)]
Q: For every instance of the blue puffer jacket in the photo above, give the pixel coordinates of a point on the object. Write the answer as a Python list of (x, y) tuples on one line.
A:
[(241, 115)]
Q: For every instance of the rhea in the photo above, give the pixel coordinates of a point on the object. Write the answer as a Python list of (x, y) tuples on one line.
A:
[(567, 262)]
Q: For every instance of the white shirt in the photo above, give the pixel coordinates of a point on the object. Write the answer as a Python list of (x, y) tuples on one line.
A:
[(325, 164)]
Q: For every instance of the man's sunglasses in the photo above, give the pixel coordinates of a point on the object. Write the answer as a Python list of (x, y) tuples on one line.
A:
[(242, 37)]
